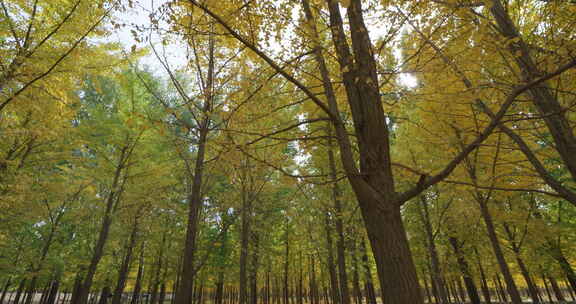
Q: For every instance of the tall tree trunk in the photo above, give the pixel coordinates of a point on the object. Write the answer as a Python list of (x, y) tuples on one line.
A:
[(511, 285), (53, 292), (19, 291), (557, 291), (183, 294), (432, 251), (465, 271), (484, 281), (374, 184), (5, 289), (355, 274), (162, 296), (501, 290), (116, 189), (104, 295), (125, 266), (314, 293), (340, 244), (532, 289), (139, 278), (286, 264), (368, 284), (157, 274), (254, 269), (244, 239), (335, 295)]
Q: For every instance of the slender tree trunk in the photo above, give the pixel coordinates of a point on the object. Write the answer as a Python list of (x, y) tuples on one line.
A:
[(484, 281), (19, 291), (125, 266), (286, 264), (162, 296), (432, 251), (31, 290), (355, 274), (557, 292), (368, 284), (465, 271), (116, 189), (156, 280), (244, 239), (104, 295), (512, 289), (254, 269), (427, 289), (313, 284), (183, 294), (139, 278), (5, 289), (53, 293), (335, 295), (340, 244), (532, 289), (501, 290)]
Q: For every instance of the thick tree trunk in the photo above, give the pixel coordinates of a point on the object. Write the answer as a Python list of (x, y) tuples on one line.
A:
[(511, 285), (374, 186)]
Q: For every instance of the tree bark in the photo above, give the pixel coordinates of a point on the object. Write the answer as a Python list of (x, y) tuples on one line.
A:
[(368, 284), (5, 289), (552, 112), (139, 277), (432, 251), (340, 244), (125, 266), (510, 284), (557, 291), (19, 291), (116, 189), (335, 295), (183, 293), (104, 295), (465, 271)]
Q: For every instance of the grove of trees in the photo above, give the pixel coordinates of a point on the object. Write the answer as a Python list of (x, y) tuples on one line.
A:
[(287, 151)]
